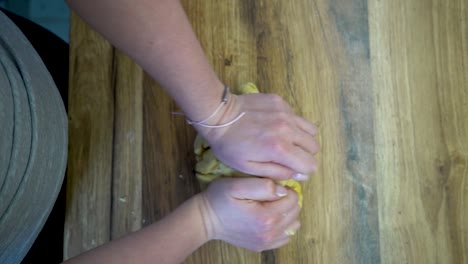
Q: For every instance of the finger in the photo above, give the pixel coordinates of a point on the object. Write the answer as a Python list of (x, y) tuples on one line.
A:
[(283, 207), (286, 217), (293, 157), (292, 228), (270, 170), (306, 142), (306, 125), (285, 235), (258, 189), (289, 219)]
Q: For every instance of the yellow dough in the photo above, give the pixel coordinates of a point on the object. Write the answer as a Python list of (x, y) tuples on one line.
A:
[(209, 168)]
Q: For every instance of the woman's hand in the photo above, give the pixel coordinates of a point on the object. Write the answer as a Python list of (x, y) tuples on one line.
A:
[(268, 141), (252, 213)]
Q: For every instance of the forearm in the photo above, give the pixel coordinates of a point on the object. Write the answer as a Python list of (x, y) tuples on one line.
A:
[(159, 37), (170, 240)]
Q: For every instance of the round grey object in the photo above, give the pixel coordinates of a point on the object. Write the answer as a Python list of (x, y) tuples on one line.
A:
[(33, 143)]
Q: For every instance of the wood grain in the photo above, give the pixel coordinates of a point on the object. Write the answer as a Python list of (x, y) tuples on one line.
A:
[(127, 146), (421, 130), (91, 117), (385, 80)]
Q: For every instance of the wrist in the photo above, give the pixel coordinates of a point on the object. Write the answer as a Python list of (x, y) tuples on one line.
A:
[(203, 99), (197, 220), (208, 217), (228, 114)]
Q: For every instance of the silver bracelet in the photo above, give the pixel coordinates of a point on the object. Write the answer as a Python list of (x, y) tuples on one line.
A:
[(224, 101), (224, 125)]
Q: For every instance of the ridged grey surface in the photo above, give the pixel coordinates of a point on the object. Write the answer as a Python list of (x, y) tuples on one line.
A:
[(33, 143)]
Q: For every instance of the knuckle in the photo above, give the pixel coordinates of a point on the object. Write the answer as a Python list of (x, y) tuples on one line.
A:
[(240, 166), (312, 166), (276, 99), (297, 211), (281, 126), (294, 197), (278, 147), (309, 165), (269, 186), (265, 223), (279, 103)]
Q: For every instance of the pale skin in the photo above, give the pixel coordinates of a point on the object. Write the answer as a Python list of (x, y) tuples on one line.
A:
[(269, 141), (229, 210)]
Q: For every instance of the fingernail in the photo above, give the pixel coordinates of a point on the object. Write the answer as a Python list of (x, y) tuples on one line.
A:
[(281, 191), (300, 177), (289, 232)]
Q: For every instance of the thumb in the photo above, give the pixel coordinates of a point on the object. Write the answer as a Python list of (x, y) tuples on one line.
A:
[(258, 189), (274, 171)]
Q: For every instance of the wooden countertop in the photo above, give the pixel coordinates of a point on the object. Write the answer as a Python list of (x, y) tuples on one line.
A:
[(386, 80)]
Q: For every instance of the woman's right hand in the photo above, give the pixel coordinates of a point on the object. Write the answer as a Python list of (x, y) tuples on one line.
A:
[(253, 213), (270, 140)]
